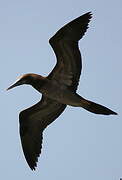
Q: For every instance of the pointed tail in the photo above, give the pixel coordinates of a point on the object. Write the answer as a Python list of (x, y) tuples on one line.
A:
[(96, 108)]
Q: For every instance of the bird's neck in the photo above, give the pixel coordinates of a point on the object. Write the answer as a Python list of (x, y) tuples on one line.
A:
[(39, 82)]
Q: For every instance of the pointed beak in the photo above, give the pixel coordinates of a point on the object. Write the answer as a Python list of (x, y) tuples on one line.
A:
[(18, 83)]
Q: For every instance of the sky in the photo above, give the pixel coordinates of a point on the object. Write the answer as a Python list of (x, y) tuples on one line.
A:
[(79, 144)]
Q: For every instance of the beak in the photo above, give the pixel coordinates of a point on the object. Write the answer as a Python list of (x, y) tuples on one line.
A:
[(18, 83)]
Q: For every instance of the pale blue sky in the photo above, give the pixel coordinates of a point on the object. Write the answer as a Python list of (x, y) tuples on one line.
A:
[(78, 145)]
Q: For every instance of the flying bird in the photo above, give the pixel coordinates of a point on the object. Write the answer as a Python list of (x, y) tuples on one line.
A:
[(58, 89)]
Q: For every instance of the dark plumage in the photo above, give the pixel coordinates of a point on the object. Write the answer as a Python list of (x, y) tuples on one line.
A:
[(58, 89)]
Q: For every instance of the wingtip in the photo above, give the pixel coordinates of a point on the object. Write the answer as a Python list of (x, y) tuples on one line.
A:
[(89, 14), (33, 168)]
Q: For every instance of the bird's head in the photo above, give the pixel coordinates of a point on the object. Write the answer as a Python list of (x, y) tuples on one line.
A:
[(24, 79)]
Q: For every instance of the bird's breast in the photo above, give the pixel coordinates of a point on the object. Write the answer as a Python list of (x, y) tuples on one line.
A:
[(52, 90), (60, 93)]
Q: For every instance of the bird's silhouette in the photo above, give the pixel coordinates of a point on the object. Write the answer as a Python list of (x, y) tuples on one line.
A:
[(58, 89)]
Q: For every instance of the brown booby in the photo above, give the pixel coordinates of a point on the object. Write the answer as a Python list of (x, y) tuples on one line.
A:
[(58, 89)]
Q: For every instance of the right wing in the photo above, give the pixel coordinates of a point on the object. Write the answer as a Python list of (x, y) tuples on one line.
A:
[(32, 123), (65, 45)]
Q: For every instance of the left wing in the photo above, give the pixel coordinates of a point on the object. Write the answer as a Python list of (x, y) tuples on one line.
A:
[(32, 123)]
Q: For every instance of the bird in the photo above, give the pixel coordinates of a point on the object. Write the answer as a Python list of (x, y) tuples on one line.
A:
[(58, 89)]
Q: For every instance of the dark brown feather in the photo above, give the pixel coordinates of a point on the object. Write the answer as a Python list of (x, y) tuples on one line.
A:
[(65, 46), (32, 123)]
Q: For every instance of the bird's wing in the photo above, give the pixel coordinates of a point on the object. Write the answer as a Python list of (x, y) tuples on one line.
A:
[(65, 45), (32, 123)]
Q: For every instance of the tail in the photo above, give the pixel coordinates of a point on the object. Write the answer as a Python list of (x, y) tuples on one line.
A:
[(96, 108)]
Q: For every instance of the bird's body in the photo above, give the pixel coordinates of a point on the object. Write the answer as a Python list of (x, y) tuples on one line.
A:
[(58, 89)]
